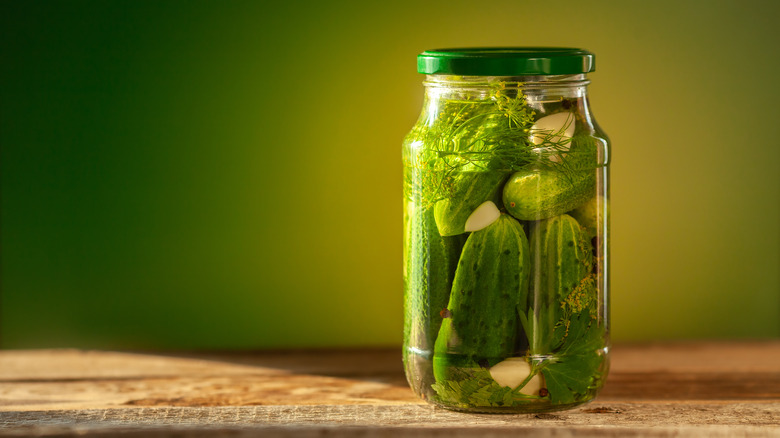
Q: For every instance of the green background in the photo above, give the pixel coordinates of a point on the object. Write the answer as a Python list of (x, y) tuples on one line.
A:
[(228, 174)]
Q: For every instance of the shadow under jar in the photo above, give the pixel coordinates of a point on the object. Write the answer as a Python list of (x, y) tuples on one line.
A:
[(506, 271)]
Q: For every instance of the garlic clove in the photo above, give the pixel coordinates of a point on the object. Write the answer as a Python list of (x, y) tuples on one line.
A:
[(513, 371), (482, 216), (553, 128)]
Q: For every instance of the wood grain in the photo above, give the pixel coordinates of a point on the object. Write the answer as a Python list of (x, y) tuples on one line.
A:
[(672, 389)]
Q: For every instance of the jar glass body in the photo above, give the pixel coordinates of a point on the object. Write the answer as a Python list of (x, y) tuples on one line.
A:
[(506, 237)]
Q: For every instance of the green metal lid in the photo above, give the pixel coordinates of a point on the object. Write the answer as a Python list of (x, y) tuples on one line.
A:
[(506, 61)]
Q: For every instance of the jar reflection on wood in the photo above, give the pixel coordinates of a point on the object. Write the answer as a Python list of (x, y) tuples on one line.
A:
[(506, 272)]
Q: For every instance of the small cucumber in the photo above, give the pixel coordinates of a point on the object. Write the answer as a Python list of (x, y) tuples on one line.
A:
[(562, 260), (490, 283), (535, 195), (470, 190), (430, 269), (430, 263)]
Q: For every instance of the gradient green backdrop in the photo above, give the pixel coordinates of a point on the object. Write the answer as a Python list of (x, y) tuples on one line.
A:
[(206, 174)]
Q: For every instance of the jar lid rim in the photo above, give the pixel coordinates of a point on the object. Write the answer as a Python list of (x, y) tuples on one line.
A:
[(506, 61)]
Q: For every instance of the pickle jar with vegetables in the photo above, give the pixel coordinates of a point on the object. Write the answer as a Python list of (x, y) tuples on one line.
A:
[(506, 232)]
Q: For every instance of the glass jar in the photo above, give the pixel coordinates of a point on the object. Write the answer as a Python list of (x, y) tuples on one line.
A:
[(506, 271)]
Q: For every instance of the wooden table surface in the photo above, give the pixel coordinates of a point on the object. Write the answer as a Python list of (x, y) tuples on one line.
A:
[(715, 389)]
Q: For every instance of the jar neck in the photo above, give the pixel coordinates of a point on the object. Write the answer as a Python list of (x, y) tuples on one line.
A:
[(543, 94), (536, 88)]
